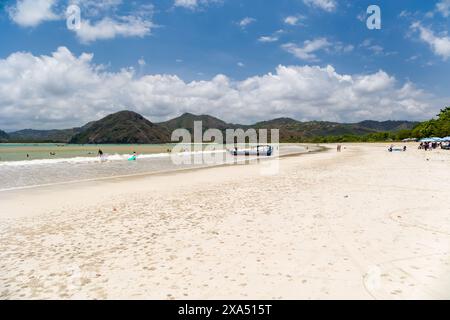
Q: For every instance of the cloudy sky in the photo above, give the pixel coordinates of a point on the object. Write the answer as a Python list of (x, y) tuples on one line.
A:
[(240, 60)]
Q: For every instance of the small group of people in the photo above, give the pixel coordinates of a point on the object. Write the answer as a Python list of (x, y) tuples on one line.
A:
[(393, 148), (428, 146)]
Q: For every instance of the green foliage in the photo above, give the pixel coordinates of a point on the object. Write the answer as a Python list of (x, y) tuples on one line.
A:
[(404, 134), (439, 127), (372, 137)]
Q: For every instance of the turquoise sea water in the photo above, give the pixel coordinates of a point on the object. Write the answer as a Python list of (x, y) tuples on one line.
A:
[(72, 163), (33, 151)]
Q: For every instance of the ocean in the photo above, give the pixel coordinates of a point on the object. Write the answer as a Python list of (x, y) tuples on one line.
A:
[(31, 165)]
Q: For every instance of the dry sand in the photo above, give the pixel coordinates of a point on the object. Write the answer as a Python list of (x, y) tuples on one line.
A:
[(364, 224)]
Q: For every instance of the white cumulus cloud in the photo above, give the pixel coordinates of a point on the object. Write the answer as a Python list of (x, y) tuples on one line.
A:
[(308, 51), (98, 18), (141, 62), (30, 13), (109, 28), (327, 5), (194, 4), (440, 45), (443, 7), (268, 39), (246, 21), (63, 90), (186, 3), (293, 20), (100, 21)]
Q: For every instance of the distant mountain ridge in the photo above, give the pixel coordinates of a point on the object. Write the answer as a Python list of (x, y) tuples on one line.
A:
[(44, 135), (388, 125), (3, 136), (131, 127), (293, 130)]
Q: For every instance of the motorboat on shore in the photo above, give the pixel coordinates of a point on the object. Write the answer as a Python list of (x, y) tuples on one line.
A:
[(261, 150)]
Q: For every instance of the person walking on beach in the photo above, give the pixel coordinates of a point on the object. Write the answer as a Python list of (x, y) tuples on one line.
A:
[(339, 147)]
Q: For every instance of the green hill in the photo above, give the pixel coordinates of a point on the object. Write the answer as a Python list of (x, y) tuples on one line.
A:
[(122, 127), (186, 121)]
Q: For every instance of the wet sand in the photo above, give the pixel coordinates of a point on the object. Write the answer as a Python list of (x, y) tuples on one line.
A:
[(363, 224)]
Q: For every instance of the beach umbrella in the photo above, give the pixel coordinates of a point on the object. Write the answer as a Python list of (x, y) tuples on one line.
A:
[(431, 139)]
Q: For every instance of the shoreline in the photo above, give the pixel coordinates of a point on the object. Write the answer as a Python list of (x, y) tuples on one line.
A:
[(241, 161), (11, 200)]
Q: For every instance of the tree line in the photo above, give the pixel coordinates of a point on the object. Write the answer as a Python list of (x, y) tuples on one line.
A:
[(439, 127)]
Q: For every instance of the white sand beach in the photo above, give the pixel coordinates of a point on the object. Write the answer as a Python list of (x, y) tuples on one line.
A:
[(361, 224)]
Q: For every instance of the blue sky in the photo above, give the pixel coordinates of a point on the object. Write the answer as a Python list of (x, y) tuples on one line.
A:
[(206, 56)]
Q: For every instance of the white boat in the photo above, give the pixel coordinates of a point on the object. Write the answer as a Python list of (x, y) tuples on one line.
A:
[(263, 150)]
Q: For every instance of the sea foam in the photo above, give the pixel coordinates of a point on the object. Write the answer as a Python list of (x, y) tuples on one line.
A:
[(105, 158)]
